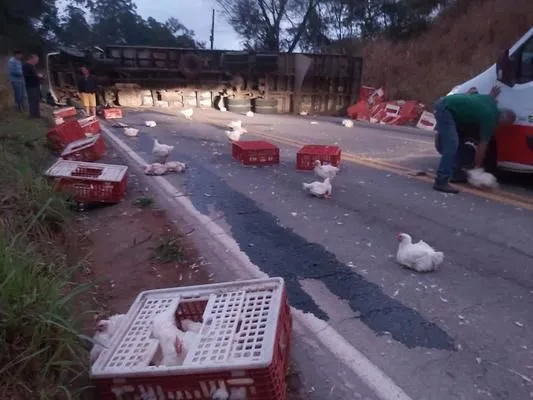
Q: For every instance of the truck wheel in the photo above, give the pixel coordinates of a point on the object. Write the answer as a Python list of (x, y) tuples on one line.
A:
[(240, 106), (265, 106)]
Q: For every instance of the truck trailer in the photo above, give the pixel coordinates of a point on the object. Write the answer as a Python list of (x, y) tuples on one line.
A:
[(134, 76)]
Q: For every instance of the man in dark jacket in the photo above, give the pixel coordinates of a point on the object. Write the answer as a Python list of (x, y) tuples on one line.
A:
[(87, 89), (461, 110), (32, 79)]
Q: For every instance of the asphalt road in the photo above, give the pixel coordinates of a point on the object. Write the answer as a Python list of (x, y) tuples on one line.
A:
[(463, 332)]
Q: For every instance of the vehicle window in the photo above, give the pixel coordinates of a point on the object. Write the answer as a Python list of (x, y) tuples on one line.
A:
[(525, 65)]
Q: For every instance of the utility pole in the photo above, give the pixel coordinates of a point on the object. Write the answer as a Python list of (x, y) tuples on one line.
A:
[(212, 37)]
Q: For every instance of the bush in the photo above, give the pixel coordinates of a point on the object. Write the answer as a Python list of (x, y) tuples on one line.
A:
[(41, 356)]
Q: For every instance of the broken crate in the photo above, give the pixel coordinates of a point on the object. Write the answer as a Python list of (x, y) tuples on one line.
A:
[(88, 149)]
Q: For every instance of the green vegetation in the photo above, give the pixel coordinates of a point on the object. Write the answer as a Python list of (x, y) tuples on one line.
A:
[(41, 356)]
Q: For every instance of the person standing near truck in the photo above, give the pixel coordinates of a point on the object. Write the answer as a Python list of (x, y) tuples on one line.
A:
[(32, 79), (458, 110), (87, 89), (16, 78)]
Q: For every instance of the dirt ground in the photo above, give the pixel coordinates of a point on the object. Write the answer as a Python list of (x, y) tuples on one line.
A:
[(132, 246)]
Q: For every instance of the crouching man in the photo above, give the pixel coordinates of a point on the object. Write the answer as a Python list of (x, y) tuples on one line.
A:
[(465, 110)]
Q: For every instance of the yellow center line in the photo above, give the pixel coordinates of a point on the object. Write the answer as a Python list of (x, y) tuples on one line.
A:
[(500, 196)]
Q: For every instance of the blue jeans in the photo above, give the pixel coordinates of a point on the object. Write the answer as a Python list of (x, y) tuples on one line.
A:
[(446, 143), (19, 93)]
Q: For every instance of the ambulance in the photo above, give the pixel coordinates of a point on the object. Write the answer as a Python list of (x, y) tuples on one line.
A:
[(512, 147)]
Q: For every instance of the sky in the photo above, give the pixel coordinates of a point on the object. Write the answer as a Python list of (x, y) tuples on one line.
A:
[(195, 15)]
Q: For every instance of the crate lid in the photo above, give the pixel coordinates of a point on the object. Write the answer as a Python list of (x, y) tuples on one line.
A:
[(255, 145), (80, 144), (317, 149), (65, 168), (238, 330)]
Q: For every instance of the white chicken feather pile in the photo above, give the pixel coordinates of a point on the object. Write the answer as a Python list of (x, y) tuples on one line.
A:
[(319, 189), (150, 124), (325, 170), (105, 329), (162, 169), (479, 178), (187, 113), (131, 132), (420, 256), (173, 342)]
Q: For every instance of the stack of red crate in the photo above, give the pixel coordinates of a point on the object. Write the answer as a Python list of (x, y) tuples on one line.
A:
[(61, 135), (308, 154)]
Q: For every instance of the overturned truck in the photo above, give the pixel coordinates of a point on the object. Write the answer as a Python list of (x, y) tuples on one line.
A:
[(134, 76)]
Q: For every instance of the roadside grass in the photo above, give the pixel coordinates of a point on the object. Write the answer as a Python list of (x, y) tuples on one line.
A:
[(41, 356)]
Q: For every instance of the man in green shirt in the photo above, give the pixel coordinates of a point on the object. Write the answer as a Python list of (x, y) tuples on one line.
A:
[(458, 110)]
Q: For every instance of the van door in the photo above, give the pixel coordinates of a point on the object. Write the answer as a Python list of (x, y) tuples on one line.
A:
[(515, 143)]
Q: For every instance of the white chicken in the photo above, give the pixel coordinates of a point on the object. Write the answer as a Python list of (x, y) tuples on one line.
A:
[(325, 170), (187, 113), (220, 394), (192, 326), (479, 178), (105, 329), (175, 166), (131, 132), (155, 169), (161, 150), (173, 342), (420, 256), (347, 123), (150, 124), (319, 189), (235, 125), (249, 113), (235, 135)]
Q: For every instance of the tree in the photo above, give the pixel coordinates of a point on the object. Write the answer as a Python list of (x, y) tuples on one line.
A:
[(273, 25), (75, 30)]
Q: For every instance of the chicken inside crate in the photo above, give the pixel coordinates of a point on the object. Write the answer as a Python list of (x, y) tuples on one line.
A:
[(229, 340)]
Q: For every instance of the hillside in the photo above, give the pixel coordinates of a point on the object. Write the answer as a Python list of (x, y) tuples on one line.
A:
[(462, 42)]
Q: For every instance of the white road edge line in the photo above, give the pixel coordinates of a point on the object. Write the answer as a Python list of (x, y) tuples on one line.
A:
[(357, 362)]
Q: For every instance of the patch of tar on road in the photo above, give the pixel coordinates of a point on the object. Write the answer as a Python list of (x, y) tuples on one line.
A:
[(279, 251)]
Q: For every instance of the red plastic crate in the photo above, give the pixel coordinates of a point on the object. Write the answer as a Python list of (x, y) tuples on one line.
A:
[(243, 344), (308, 154), (255, 152), (90, 125), (90, 182), (61, 135), (89, 149), (112, 113), (65, 112)]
